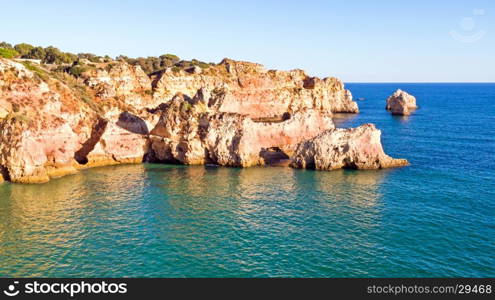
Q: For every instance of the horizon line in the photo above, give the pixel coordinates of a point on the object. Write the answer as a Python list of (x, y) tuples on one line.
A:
[(414, 82)]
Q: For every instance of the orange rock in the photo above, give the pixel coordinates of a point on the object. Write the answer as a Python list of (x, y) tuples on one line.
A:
[(401, 103), (353, 148)]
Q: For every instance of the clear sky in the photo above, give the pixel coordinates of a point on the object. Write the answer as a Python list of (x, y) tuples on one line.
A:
[(358, 41)]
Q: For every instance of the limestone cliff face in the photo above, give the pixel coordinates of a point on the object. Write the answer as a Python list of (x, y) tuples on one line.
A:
[(122, 81), (354, 148), (231, 114), (247, 88), (52, 126), (190, 133), (37, 128), (401, 103)]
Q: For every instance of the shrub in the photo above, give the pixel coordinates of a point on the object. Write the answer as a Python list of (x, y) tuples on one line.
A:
[(8, 53), (171, 57), (36, 70), (35, 53), (185, 107), (78, 70), (200, 64), (107, 59), (5, 45), (55, 56), (90, 56)]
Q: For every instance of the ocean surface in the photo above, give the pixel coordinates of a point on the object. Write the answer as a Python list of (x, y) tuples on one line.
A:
[(434, 218)]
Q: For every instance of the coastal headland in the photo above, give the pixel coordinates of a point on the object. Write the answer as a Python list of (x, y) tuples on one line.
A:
[(56, 120)]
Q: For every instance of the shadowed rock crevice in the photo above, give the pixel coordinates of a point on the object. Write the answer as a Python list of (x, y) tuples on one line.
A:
[(4, 174), (81, 156), (275, 119), (132, 123), (232, 114), (274, 156)]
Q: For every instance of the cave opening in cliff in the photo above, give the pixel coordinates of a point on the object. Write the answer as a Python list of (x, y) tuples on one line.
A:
[(274, 119), (4, 172), (274, 156)]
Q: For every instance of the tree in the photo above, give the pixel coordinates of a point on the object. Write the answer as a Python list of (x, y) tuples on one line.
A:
[(171, 57), (5, 45), (122, 57), (90, 56), (55, 56), (23, 48), (36, 53)]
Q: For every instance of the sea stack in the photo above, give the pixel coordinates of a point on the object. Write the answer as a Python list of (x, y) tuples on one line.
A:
[(401, 103), (352, 148)]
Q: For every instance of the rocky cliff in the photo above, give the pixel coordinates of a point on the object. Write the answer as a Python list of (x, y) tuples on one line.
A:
[(190, 133), (232, 114), (53, 124), (248, 88)]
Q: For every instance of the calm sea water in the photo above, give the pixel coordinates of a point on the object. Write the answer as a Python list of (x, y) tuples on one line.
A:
[(434, 218)]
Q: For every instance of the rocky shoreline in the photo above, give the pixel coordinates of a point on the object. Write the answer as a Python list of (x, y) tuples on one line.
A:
[(232, 114)]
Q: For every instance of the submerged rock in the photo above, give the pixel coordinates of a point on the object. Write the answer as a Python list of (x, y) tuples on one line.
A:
[(354, 148), (401, 103)]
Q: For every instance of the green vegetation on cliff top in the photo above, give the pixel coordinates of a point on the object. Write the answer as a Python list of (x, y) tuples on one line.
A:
[(54, 56)]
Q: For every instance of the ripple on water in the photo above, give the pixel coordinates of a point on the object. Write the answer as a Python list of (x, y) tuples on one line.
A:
[(434, 218)]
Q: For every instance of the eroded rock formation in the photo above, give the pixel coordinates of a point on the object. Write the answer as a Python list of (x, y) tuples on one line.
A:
[(248, 88), (231, 114), (190, 133), (354, 148), (401, 103), (53, 125)]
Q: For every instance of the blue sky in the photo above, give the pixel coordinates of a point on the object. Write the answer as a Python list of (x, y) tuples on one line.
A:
[(358, 41)]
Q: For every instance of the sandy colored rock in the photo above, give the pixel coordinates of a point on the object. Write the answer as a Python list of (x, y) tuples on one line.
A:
[(192, 134), (232, 114), (49, 130), (248, 88), (122, 81), (5, 108), (354, 148), (401, 103)]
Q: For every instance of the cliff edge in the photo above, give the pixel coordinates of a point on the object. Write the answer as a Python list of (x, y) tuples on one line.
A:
[(233, 113)]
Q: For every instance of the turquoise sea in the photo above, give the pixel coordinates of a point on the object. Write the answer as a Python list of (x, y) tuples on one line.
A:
[(434, 218)]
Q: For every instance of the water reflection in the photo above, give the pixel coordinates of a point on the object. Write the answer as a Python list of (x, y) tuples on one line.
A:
[(267, 214), (401, 119), (340, 119), (359, 188), (43, 227), (167, 220)]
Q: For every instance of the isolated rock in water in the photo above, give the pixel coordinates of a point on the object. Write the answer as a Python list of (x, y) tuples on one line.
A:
[(401, 103), (354, 148)]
